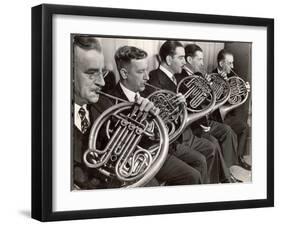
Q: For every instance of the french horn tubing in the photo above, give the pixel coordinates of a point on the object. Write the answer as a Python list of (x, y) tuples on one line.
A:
[(238, 94), (220, 87), (126, 156), (200, 98), (173, 113)]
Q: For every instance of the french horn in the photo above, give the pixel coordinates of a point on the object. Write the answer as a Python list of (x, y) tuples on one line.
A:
[(238, 94), (125, 153), (200, 98), (220, 87), (173, 113)]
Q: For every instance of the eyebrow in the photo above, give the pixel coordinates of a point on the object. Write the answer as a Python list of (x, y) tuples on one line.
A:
[(91, 70)]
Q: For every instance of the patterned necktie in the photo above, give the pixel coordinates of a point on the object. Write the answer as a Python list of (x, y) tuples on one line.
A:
[(84, 120)]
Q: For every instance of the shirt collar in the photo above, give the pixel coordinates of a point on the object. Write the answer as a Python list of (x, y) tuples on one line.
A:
[(219, 71), (168, 73), (77, 119), (129, 93)]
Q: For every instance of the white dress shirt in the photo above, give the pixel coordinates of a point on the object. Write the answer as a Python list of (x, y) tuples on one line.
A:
[(77, 118), (129, 93)]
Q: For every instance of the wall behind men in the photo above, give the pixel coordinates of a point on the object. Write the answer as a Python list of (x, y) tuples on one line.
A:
[(110, 45), (15, 113)]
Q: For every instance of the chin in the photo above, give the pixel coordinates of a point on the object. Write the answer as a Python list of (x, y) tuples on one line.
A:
[(94, 99), (141, 89)]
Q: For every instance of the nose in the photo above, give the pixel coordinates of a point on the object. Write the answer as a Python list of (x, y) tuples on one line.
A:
[(146, 75), (100, 81)]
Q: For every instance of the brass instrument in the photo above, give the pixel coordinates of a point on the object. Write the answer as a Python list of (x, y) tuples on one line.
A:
[(238, 94), (200, 98), (171, 112), (125, 155), (220, 87)]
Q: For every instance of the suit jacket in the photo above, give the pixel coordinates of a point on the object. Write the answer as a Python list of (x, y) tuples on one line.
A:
[(117, 92), (80, 145), (110, 81)]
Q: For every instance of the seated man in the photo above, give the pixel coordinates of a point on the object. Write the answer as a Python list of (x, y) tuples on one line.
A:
[(88, 79), (132, 66), (237, 118), (172, 61), (223, 133)]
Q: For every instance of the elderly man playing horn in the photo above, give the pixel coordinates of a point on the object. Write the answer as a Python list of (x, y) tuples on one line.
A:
[(88, 80), (237, 119), (172, 61), (132, 66)]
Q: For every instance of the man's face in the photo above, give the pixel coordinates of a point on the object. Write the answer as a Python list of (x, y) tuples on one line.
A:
[(137, 75), (227, 63), (88, 76), (177, 61), (197, 61)]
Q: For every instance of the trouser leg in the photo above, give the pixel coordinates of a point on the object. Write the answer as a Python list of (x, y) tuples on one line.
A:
[(228, 141), (193, 158), (220, 172), (177, 172)]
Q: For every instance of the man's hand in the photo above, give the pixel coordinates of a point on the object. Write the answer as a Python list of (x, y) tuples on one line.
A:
[(146, 105), (208, 77), (248, 87), (224, 75), (180, 98)]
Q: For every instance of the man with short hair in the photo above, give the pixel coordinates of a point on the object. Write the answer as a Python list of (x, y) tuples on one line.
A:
[(210, 129), (172, 61), (132, 66), (88, 80), (234, 119)]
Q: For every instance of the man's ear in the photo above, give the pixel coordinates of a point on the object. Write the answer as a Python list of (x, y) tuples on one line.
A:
[(221, 64), (168, 60), (189, 59), (123, 73)]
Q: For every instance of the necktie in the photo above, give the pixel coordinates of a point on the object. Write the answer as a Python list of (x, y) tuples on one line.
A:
[(84, 120), (174, 80)]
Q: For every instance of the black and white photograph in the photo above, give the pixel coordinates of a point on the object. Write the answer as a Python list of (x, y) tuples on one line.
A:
[(147, 112), (159, 112)]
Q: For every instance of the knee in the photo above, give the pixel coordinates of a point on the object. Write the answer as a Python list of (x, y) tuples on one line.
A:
[(212, 149), (228, 129), (195, 177), (202, 160), (229, 132)]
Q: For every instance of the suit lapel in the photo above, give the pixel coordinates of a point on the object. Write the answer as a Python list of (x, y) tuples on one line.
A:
[(166, 82), (120, 93)]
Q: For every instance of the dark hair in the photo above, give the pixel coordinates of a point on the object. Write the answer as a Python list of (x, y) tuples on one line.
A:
[(125, 54), (222, 53), (87, 42), (168, 49), (191, 49)]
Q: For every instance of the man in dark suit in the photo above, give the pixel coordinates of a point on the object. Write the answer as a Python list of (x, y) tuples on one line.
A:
[(210, 129), (88, 79), (172, 61), (132, 66), (237, 119)]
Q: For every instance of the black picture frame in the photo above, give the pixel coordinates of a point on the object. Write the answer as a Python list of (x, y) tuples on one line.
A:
[(42, 107)]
